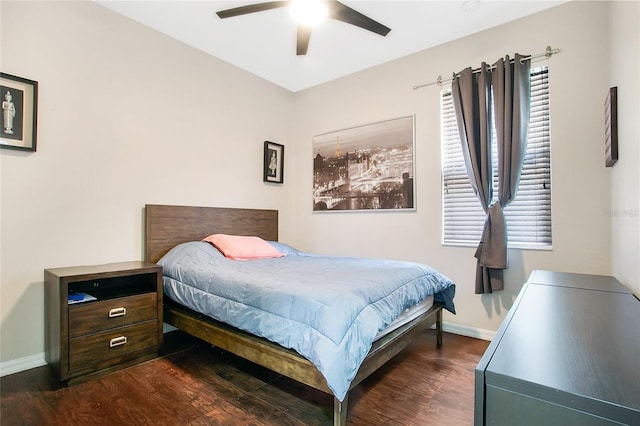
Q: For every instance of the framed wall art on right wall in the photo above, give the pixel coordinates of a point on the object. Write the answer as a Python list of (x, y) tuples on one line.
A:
[(611, 127)]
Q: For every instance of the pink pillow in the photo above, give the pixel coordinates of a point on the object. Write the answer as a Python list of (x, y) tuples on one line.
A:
[(239, 247)]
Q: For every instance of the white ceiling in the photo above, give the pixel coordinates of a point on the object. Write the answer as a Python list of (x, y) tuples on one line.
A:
[(264, 43)]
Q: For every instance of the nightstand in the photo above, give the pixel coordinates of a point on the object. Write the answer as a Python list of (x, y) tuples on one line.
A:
[(120, 328)]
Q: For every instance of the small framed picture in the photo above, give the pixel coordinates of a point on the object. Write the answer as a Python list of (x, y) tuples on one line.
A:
[(273, 162), (19, 112), (611, 127)]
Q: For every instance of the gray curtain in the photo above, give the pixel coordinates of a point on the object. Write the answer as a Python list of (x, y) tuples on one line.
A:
[(472, 95)]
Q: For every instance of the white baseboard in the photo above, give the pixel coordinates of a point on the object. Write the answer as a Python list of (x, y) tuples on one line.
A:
[(21, 364), (465, 330)]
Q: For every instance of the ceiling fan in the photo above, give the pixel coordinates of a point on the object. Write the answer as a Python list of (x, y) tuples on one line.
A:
[(335, 10)]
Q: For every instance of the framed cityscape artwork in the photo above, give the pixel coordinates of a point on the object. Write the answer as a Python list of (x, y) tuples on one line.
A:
[(368, 167)]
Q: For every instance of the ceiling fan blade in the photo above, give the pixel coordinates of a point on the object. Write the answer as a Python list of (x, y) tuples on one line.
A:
[(346, 14), (304, 34), (252, 8)]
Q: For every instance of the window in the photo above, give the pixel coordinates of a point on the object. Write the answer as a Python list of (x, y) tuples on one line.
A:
[(529, 215)]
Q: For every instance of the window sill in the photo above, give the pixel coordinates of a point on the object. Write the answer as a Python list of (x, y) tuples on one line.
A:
[(514, 246)]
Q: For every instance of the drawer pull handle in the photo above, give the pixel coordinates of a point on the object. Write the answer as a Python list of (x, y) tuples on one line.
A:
[(117, 341), (117, 312)]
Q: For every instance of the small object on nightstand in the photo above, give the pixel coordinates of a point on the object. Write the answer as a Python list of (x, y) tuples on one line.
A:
[(74, 297)]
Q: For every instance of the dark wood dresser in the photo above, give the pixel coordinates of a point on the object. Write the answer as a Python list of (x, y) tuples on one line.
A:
[(568, 353), (121, 327)]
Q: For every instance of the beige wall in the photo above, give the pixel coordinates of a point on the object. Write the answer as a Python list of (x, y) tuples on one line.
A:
[(580, 182), (624, 69), (129, 116), (126, 117)]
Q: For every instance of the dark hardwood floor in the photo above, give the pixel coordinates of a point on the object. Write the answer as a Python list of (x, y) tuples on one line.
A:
[(195, 384)]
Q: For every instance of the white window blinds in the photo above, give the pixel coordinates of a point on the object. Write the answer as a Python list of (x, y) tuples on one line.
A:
[(529, 215)]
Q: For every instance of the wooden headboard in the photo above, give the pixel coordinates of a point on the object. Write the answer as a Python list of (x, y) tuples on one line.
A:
[(168, 226)]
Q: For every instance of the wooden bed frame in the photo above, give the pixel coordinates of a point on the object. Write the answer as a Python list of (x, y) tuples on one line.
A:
[(167, 226)]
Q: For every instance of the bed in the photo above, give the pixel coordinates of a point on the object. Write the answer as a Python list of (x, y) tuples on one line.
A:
[(171, 227)]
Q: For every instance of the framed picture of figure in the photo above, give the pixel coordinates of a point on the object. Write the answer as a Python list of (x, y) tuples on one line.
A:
[(273, 162), (19, 112)]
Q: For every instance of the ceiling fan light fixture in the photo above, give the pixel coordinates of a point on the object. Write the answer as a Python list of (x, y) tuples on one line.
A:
[(308, 12), (470, 5)]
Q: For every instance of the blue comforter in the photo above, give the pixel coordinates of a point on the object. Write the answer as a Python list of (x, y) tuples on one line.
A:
[(327, 308)]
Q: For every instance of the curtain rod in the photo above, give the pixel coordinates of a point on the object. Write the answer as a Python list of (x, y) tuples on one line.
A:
[(440, 81)]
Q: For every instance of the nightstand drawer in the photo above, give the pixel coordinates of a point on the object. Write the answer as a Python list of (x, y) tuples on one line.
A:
[(92, 317), (87, 350)]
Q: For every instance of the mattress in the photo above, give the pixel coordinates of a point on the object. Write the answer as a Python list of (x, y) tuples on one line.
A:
[(407, 316)]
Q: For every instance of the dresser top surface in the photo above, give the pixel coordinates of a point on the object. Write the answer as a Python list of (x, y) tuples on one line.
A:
[(583, 281), (577, 340)]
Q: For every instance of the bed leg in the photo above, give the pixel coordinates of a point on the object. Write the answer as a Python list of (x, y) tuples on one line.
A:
[(439, 328), (340, 411)]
